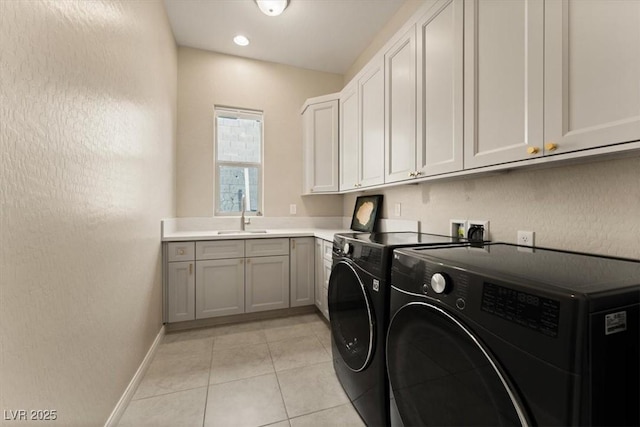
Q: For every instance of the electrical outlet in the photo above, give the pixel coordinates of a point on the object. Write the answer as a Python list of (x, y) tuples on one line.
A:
[(397, 207), (525, 238), (292, 209)]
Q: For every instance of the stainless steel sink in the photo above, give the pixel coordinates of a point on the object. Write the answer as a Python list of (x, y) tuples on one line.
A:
[(242, 232)]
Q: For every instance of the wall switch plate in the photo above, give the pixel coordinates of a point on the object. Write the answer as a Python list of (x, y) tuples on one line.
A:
[(525, 238), (292, 209), (396, 209)]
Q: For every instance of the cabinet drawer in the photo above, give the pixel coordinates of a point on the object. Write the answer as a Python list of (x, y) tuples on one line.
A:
[(267, 247), (220, 249), (181, 251), (327, 250)]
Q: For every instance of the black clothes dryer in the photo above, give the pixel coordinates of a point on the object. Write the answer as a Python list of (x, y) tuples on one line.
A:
[(513, 336), (359, 314)]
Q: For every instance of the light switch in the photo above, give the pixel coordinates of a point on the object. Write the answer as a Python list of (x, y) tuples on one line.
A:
[(397, 209), (292, 209)]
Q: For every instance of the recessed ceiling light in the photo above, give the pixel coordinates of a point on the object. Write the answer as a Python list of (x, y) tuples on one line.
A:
[(241, 40)]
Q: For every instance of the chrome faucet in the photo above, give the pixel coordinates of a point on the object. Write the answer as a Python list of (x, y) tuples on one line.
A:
[(243, 207)]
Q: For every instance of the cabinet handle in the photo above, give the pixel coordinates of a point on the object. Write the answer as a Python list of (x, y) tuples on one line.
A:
[(412, 174), (551, 146), (190, 269), (417, 173), (248, 261), (241, 261), (293, 244), (533, 150)]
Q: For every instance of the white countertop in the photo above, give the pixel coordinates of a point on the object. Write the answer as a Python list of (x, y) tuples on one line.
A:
[(181, 236), (218, 228)]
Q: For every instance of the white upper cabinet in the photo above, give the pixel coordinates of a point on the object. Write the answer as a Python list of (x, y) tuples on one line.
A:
[(468, 86), (592, 74), (362, 129), (503, 81), (439, 88), (349, 138), (371, 103), (320, 118), (400, 109)]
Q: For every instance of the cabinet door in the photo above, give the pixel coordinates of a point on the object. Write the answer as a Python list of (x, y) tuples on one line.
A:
[(325, 288), (319, 274), (371, 147), (400, 111), (349, 138), (592, 73), (302, 271), (267, 283), (321, 145), (440, 97), (503, 78), (219, 287), (181, 291)]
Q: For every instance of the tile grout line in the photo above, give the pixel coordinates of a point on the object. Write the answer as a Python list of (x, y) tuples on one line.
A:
[(284, 405), (321, 410), (206, 397), (166, 394)]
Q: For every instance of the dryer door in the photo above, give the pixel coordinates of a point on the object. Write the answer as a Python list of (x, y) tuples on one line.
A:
[(352, 325), (441, 375)]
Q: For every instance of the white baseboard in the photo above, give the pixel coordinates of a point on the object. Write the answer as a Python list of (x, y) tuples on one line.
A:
[(122, 404)]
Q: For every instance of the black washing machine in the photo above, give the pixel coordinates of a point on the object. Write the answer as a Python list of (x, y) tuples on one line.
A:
[(359, 314), (511, 335)]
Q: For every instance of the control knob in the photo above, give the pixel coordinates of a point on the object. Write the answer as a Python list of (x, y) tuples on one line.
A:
[(440, 283), (347, 248)]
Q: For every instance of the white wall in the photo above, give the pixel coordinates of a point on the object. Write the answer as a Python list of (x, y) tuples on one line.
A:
[(87, 116), (593, 207), (206, 79)]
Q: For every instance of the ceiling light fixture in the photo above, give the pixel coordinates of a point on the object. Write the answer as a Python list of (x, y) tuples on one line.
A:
[(241, 40), (272, 7)]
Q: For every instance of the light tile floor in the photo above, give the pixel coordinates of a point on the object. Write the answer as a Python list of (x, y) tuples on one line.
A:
[(274, 372)]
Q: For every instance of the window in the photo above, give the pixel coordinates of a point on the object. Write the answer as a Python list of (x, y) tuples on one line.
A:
[(238, 161)]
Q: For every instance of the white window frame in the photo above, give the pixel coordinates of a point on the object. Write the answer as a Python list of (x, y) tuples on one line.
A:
[(239, 114)]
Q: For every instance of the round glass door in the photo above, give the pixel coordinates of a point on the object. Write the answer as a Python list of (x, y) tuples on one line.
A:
[(352, 325), (441, 376)]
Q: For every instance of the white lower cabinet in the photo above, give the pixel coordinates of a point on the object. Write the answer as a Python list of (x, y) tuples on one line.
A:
[(181, 291), (219, 287), (224, 277), (319, 274), (302, 271), (323, 272), (267, 283)]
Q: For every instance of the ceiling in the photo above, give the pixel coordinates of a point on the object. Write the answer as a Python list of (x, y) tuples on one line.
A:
[(323, 35)]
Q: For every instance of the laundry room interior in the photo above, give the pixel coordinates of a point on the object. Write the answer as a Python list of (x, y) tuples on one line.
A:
[(154, 273)]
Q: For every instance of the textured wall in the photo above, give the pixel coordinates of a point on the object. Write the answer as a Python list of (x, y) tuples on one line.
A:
[(408, 8), (206, 79), (87, 115), (591, 207)]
